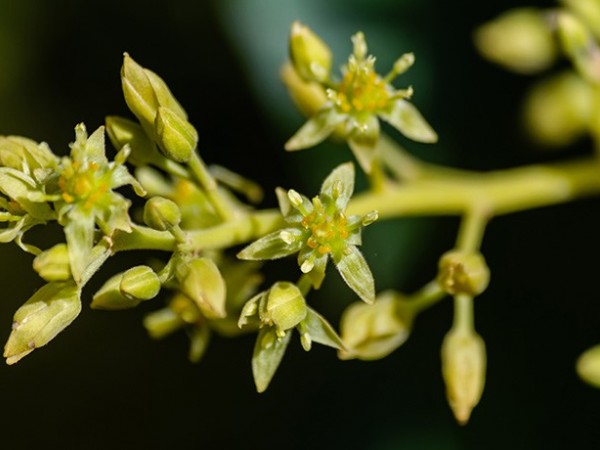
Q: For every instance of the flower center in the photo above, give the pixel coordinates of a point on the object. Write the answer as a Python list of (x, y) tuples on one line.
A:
[(83, 184), (361, 89), (327, 231)]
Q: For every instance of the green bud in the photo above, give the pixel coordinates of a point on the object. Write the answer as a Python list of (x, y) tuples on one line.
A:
[(463, 368), (310, 55), (308, 96), (122, 132), (161, 213), (579, 44), (588, 366), (519, 40), (176, 137), (559, 109), (109, 297), (140, 283), (285, 306), (24, 154), (53, 264), (374, 331), (201, 281), (163, 322), (49, 311), (463, 273), (588, 11)]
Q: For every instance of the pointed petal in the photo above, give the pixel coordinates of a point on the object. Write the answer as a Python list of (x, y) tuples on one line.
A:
[(356, 273), (315, 130), (339, 185), (321, 331), (268, 353), (284, 202), (79, 233), (363, 142), (407, 119), (273, 246)]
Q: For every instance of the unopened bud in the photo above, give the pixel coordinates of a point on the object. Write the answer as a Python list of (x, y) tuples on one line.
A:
[(579, 44), (374, 331), (463, 369), (177, 138), (53, 264), (161, 213), (463, 273), (202, 282), (49, 311), (588, 366), (109, 297), (310, 55), (285, 307), (140, 283), (519, 40)]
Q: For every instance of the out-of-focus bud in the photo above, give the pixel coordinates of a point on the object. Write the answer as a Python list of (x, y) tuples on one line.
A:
[(310, 55), (202, 282), (558, 110), (519, 40), (588, 366), (176, 137), (161, 213), (53, 264), (309, 97), (24, 154), (123, 132), (163, 322), (463, 369), (374, 331), (49, 311), (588, 11), (579, 44), (140, 283), (463, 273), (285, 306)]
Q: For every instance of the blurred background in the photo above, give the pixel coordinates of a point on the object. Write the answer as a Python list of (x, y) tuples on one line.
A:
[(104, 384)]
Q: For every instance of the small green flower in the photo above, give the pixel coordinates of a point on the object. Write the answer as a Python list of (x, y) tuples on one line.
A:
[(85, 195), (356, 101), (319, 229)]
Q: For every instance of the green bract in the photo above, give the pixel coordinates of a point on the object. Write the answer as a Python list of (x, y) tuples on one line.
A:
[(355, 102), (319, 229)]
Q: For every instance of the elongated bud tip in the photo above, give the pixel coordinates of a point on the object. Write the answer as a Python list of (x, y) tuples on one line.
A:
[(310, 55), (177, 138)]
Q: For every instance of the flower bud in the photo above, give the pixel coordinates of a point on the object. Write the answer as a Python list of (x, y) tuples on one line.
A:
[(161, 213), (519, 40), (202, 282), (308, 96), (163, 322), (49, 311), (140, 283), (579, 44), (374, 331), (109, 297), (53, 264), (463, 273), (310, 55), (122, 132), (588, 366), (285, 306), (463, 369), (558, 110), (24, 154), (176, 137)]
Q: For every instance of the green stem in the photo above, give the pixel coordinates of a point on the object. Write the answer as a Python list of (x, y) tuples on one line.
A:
[(464, 320), (201, 174), (427, 296), (472, 229)]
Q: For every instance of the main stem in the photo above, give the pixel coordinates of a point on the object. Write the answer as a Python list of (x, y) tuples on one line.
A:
[(452, 193)]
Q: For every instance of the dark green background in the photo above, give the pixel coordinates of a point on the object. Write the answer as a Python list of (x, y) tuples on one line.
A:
[(102, 384)]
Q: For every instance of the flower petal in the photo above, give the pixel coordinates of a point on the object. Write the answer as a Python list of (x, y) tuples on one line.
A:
[(356, 273), (268, 353), (321, 331), (315, 130), (272, 246), (339, 185), (363, 142), (407, 119)]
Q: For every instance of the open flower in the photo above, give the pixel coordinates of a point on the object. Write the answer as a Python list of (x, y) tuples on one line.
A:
[(355, 102), (85, 196), (318, 229)]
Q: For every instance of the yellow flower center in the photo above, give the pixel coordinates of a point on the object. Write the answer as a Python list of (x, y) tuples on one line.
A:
[(327, 231), (361, 89), (83, 184)]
